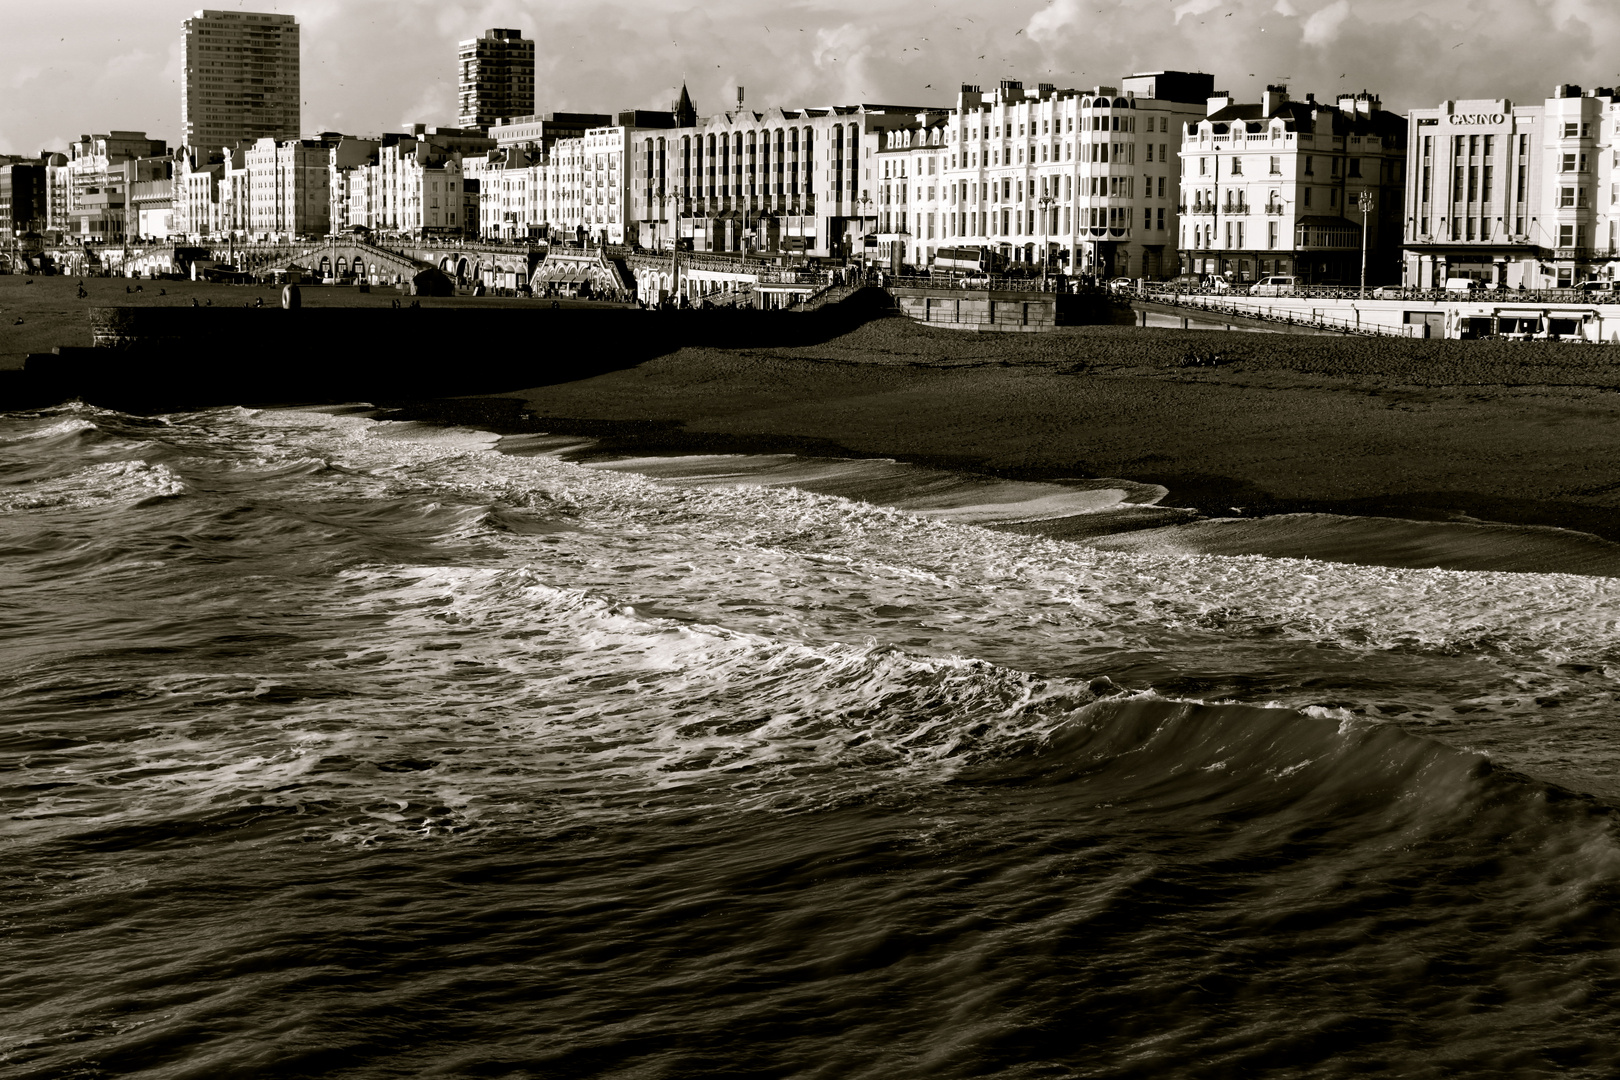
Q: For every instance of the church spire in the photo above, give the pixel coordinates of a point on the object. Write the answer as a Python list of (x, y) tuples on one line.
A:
[(685, 114)]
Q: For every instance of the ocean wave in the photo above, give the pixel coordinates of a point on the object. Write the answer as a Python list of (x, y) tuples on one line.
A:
[(105, 484)]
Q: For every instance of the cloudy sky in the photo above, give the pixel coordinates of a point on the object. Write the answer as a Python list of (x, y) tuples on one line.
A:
[(79, 66)]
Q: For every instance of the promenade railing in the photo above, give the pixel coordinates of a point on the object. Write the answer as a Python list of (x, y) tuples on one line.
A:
[(1390, 292), (992, 282), (1206, 303)]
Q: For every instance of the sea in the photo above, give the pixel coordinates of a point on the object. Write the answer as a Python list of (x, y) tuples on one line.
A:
[(335, 746)]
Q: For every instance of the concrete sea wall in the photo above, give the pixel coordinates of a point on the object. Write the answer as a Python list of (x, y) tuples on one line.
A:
[(157, 358), (1002, 311)]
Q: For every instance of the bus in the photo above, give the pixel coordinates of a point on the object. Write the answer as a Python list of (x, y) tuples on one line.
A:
[(964, 261)]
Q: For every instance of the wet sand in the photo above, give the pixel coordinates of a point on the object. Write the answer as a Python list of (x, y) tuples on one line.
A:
[(1436, 430)]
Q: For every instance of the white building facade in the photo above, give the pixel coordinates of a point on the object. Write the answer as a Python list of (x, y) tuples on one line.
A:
[(1514, 195), (1277, 186), (289, 188), (1083, 181)]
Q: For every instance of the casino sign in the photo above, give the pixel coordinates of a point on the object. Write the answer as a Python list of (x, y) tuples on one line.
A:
[(1476, 119)]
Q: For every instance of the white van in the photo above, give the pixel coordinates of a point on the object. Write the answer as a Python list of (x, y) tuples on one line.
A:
[(1276, 285), (1463, 284)]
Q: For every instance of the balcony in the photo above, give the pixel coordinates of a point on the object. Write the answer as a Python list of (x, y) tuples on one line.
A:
[(1276, 209), (1235, 208)]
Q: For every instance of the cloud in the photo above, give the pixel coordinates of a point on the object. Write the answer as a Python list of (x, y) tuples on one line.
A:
[(1193, 7), (1049, 23), (369, 65), (1323, 27)]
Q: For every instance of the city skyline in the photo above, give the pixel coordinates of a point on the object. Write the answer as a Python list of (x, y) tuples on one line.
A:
[(370, 67)]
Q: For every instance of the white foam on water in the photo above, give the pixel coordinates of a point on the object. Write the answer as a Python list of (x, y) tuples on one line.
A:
[(16, 431), (1381, 542), (1559, 615), (960, 497), (104, 484), (802, 570)]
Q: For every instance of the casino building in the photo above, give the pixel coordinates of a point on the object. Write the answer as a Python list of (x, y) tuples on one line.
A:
[(1513, 195)]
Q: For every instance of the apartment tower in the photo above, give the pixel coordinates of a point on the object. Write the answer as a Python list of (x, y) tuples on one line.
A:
[(241, 78), (496, 78)]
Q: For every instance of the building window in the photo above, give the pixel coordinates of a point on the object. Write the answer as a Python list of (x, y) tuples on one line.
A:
[(1566, 197), (1566, 236), (1310, 166), (1567, 163), (1237, 166), (1571, 130)]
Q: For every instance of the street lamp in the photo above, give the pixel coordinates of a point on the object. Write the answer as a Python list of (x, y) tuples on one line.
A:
[(1046, 202), (1365, 204), (866, 210)]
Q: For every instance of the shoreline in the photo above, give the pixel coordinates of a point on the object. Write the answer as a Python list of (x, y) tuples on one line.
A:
[(1420, 430), (1208, 496), (1288, 426)]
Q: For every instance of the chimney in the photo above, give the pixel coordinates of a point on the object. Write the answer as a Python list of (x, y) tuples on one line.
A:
[(1219, 100), (1273, 99)]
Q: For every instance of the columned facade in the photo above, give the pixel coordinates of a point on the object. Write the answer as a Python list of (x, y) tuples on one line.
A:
[(1513, 196)]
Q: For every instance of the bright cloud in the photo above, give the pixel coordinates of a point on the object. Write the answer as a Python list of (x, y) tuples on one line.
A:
[(1323, 27)]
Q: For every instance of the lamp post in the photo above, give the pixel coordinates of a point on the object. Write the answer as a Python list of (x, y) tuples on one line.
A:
[(866, 209), (1364, 202), (1046, 202)]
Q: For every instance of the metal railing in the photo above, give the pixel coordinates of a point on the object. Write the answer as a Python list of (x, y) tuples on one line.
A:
[(1392, 292), (1206, 302), (994, 283)]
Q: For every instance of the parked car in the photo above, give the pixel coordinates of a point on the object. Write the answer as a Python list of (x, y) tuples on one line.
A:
[(1389, 292), (1463, 284), (1276, 285), (1604, 288), (1121, 284)]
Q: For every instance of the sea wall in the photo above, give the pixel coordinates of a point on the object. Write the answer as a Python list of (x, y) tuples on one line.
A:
[(1003, 311), (177, 357)]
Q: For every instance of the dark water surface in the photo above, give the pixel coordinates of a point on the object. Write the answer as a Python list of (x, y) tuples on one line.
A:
[(342, 748)]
